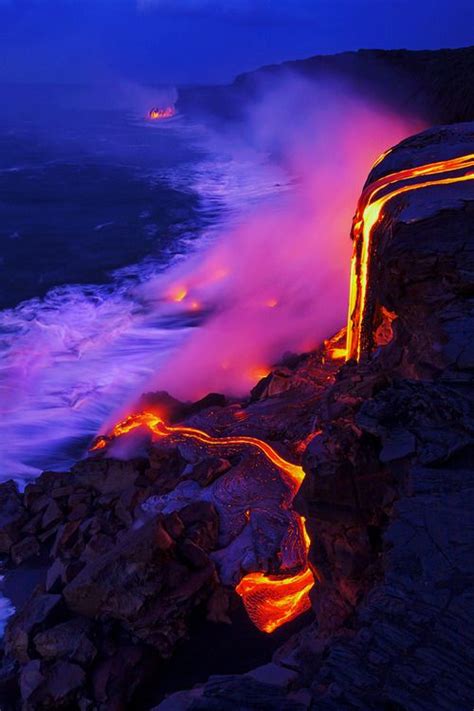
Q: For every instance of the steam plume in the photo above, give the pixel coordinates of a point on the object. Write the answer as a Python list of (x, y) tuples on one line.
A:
[(278, 281)]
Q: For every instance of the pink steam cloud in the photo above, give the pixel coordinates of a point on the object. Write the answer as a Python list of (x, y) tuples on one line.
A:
[(278, 281)]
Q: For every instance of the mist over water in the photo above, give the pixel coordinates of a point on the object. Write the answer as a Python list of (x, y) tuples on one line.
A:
[(252, 262)]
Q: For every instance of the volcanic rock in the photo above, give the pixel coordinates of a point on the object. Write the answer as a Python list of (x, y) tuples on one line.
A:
[(52, 688), (24, 549), (210, 469), (148, 581), (69, 639), (108, 476), (36, 613), (12, 515)]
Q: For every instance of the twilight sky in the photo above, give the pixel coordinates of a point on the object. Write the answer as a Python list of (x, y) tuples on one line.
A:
[(209, 41)]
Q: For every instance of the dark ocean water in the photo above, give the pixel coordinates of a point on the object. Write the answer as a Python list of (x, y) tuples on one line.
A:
[(84, 192)]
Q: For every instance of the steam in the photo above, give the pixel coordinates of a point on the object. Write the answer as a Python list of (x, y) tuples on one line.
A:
[(270, 275), (278, 281)]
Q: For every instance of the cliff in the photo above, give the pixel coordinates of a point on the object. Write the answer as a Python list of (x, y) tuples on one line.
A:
[(431, 84)]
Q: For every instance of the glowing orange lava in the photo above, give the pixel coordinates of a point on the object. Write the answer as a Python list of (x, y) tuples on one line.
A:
[(273, 600), (178, 294), (259, 372), (370, 213), (157, 427), (337, 353), (158, 114), (270, 600), (332, 348)]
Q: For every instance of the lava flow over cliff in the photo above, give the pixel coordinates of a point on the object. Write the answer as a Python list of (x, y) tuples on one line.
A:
[(370, 212)]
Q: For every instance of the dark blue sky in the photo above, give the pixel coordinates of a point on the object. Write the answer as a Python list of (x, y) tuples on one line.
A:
[(208, 41)]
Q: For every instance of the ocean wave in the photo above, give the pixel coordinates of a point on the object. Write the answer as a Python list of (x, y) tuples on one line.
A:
[(71, 359)]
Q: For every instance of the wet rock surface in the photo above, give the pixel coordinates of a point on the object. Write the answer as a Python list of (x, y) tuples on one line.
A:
[(139, 549)]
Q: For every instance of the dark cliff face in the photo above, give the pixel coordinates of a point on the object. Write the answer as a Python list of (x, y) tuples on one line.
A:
[(389, 487), (423, 263), (431, 84)]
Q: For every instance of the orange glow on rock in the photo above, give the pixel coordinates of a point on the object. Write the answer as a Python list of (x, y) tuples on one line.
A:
[(271, 303), (301, 446), (100, 443), (270, 600), (370, 212), (259, 372), (384, 332), (240, 415)]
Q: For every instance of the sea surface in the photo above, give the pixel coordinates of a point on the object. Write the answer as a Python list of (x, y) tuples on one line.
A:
[(95, 202)]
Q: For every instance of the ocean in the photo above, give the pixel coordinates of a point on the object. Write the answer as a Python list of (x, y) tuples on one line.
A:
[(95, 203)]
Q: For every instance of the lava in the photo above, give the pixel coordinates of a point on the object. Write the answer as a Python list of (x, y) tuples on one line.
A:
[(178, 294), (335, 347), (159, 428), (273, 600), (369, 213), (270, 600), (159, 114)]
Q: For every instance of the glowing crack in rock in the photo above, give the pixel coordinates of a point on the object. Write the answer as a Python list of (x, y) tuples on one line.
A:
[(270, 600), (370, 212)]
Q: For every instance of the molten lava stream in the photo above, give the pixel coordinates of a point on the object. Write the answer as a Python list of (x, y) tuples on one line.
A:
[(273, 600), (270, 600), (370, 212)]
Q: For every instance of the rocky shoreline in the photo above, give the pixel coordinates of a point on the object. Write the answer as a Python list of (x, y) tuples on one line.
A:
[(140, 549)]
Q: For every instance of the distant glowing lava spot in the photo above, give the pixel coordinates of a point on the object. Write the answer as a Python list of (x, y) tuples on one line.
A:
[(178, 294), (160, 114)]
